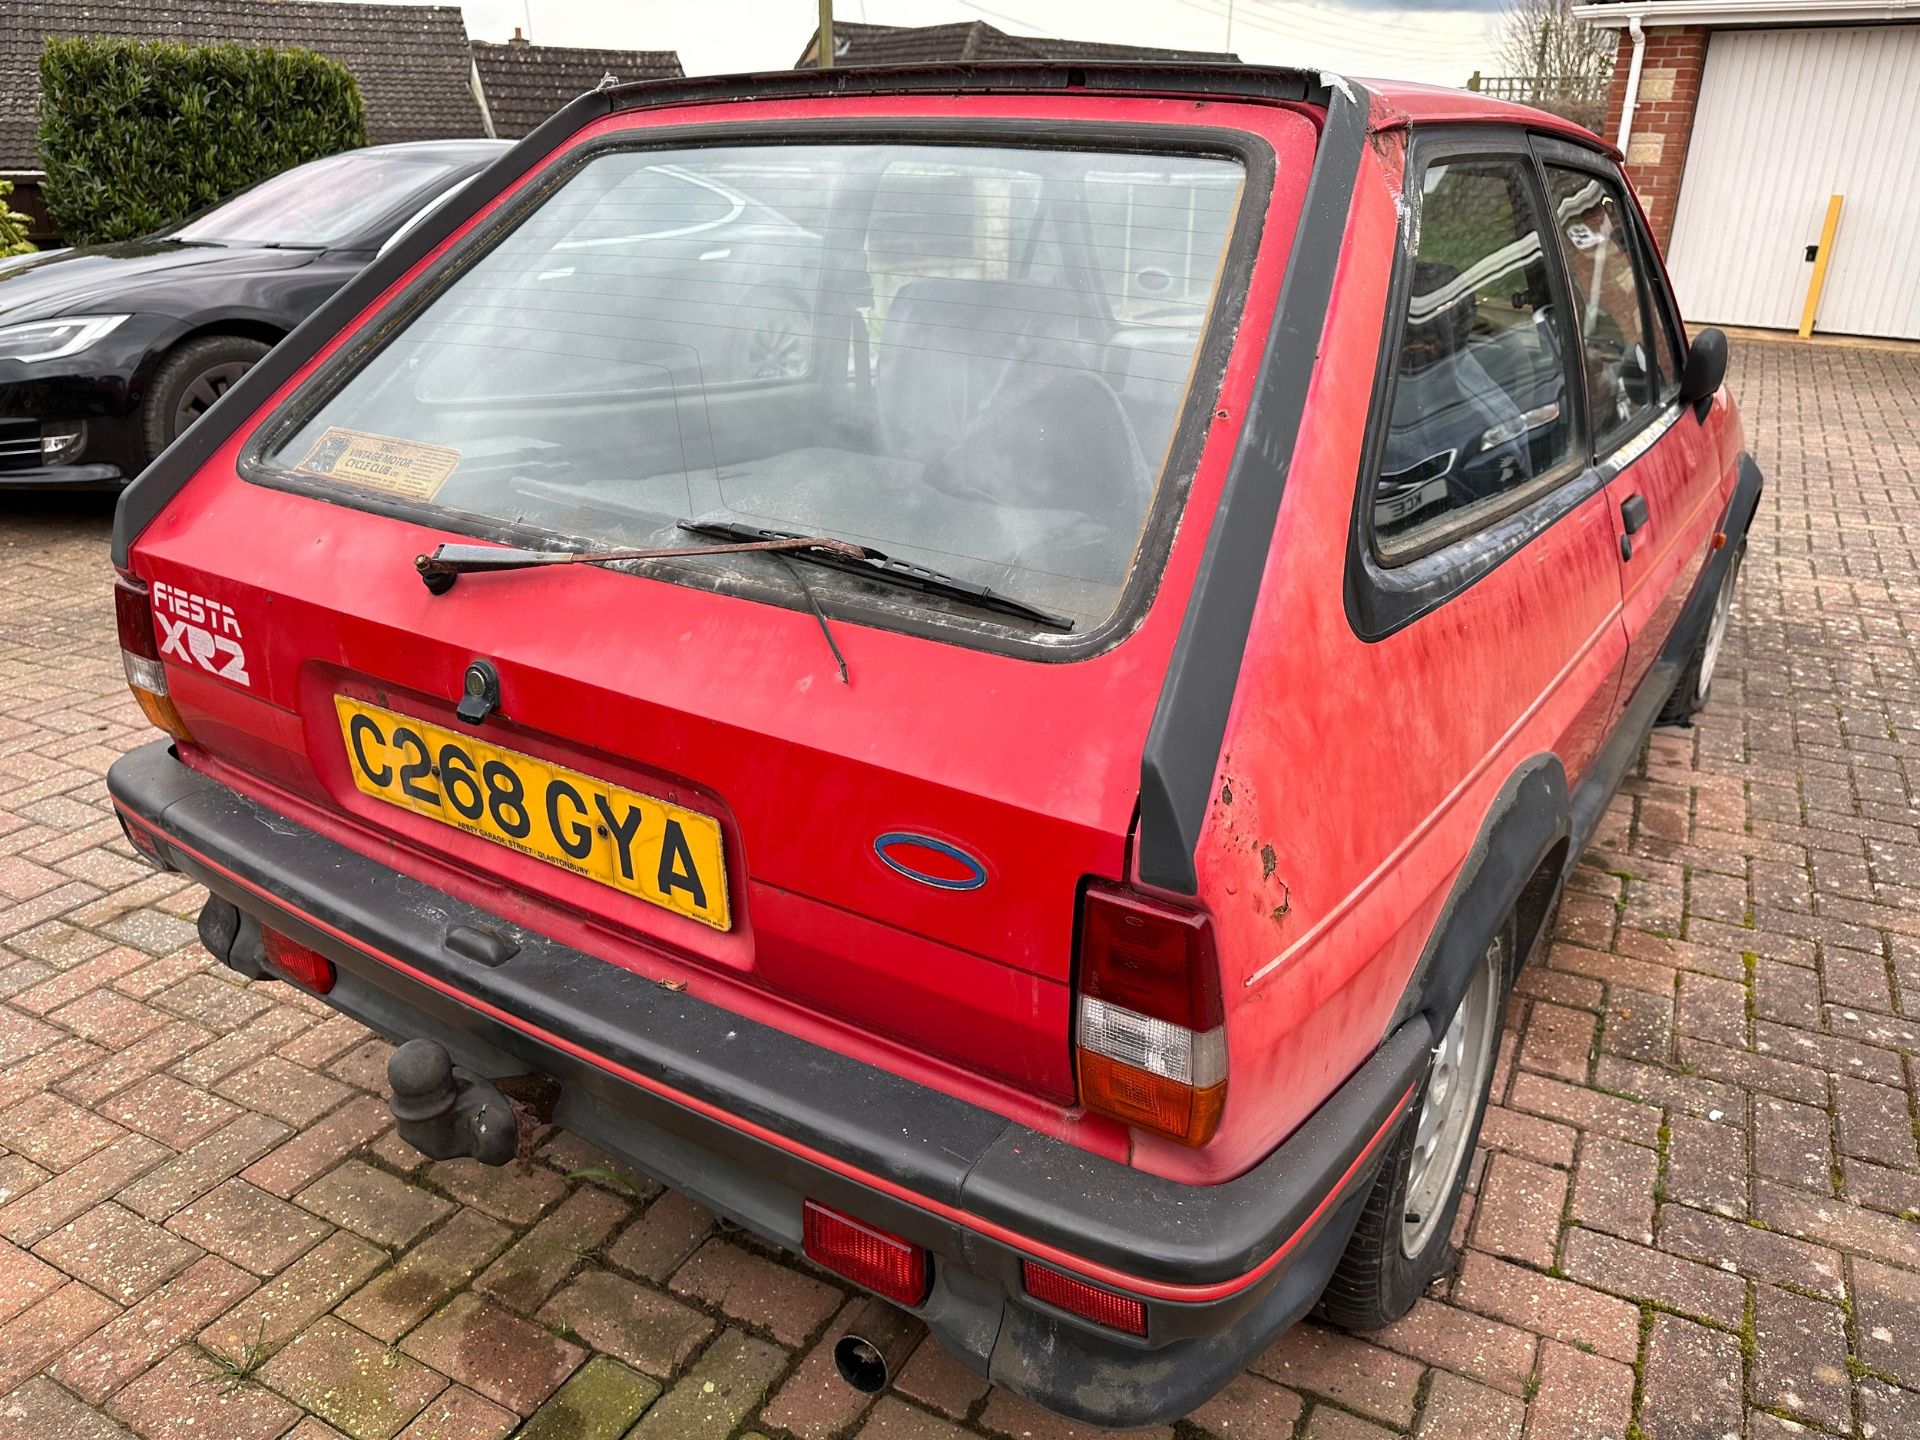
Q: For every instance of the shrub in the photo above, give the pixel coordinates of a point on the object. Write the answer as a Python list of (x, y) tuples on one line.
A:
[(135, 136), (13, 226)]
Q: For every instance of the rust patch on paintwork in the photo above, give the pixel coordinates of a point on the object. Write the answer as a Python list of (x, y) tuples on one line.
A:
[(1226, 792), (1267, 861)]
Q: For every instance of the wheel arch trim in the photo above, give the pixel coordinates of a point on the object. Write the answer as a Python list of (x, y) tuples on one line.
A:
[(1516, 866)]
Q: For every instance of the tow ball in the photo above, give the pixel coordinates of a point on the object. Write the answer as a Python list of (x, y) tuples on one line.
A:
[(444, 1111)]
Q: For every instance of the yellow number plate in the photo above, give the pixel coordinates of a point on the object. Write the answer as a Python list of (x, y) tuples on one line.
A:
[(641, 846)]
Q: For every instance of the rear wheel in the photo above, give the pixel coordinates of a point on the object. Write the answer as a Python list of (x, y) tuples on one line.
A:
[(1404, 1237), (1689, 696), (189, 381)]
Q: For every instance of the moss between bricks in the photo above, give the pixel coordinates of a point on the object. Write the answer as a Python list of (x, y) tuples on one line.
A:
[(602, 1399)]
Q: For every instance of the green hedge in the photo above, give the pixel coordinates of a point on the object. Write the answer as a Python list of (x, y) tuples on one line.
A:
[(13, 226), (136, 136)]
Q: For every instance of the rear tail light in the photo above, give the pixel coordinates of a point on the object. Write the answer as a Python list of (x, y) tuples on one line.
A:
[(883, 1263), (308, 969), (1089, 1302), (140, 655), (1150, 1045)]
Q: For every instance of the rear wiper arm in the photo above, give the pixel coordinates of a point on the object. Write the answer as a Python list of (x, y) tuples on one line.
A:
[(448, 562), (875, 565)]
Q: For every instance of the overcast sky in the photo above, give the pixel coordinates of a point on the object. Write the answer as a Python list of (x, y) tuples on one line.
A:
[(1441, 42)]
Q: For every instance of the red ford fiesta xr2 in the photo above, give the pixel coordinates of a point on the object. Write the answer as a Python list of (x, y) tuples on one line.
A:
[(990, 671)]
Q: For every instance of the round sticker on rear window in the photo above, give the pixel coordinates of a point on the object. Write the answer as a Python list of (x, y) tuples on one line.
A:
[(380, 462)]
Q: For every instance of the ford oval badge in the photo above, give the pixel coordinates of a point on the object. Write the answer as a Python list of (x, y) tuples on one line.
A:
[(931, 862)]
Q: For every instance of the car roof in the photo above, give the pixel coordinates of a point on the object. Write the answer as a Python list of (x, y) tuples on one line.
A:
[(1419, 104), (1397, 103), (437, 149)]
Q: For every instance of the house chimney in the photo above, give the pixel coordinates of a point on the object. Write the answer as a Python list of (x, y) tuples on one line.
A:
[(518, 38)]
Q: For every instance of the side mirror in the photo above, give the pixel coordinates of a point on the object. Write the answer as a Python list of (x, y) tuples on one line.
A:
[(1706, 367)]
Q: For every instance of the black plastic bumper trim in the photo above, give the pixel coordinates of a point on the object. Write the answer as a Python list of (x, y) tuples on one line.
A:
[(730, 1080)]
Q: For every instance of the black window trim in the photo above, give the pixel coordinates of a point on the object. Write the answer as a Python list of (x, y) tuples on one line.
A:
[(965, 627), (1634, 441), (1386, 593)]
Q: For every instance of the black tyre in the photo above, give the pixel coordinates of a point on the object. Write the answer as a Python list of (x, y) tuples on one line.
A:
[(1404, 1237), (188, 382), (1689, 696)]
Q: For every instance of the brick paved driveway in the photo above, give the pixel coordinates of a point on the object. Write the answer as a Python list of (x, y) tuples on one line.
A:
[(1697, 1216)]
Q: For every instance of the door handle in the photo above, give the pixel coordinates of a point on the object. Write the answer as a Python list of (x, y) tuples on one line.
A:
[(1633, 519)]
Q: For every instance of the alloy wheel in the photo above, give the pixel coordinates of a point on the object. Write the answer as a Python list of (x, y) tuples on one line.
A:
[(1460, 1064), (199, 394), (1716, 633)]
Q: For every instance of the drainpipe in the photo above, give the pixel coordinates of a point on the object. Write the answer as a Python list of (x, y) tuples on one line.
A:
[(1625, 129)]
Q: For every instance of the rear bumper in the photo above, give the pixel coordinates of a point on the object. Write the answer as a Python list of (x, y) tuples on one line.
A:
[(750, 1120)]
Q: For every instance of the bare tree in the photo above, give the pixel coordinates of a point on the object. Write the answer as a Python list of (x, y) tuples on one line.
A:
[(1542, 38)]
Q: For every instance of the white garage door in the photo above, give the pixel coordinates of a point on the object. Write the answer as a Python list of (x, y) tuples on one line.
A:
[(1787, 118)]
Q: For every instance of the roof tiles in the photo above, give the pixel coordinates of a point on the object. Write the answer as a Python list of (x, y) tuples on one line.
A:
[(857, 44), (527, 83), (412, 61)]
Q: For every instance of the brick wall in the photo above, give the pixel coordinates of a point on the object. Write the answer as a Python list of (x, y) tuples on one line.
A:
[(1662, 115)]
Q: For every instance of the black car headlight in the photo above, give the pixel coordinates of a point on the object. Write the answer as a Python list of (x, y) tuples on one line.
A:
[(56, 339)]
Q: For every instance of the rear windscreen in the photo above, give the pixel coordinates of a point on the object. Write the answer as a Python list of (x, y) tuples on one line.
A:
[(971, 358)]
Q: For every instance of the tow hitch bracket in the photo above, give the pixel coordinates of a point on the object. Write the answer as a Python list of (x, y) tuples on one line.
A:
[(444, 1111)]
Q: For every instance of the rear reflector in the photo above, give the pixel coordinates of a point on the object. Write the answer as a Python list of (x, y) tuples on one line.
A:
[(1089, 1302), (1149, 1044), (144, 843), (140, 655), (883, 1263), (308, 969)]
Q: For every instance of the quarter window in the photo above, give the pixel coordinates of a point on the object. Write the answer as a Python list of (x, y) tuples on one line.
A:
[(1627, 378), (1479, 408)]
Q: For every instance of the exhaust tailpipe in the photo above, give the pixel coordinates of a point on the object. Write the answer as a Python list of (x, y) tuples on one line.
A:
[(878, 1341)]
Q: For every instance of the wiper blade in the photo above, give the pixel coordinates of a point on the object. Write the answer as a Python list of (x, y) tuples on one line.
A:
[(448, 562), (875, 565)]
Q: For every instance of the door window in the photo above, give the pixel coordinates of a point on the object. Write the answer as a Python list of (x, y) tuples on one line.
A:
[(1479, 410), (1629, 376)]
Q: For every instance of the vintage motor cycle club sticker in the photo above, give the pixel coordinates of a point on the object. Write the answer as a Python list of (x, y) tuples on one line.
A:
[(407, 468)]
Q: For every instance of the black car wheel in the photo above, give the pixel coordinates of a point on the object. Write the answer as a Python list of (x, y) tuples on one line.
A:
[(189, 381), (1404, 1238)]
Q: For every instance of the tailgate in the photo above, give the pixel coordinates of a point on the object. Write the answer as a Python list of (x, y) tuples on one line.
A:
[(992, 361)]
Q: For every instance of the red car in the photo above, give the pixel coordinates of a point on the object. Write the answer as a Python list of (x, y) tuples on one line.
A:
[(988, 670)]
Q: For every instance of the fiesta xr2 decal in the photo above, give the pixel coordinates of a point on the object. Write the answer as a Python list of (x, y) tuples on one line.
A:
[(198, 631), (931, 862)]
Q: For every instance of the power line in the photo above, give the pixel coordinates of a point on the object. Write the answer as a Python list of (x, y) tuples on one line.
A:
[(1342, 32), (1038, 30)]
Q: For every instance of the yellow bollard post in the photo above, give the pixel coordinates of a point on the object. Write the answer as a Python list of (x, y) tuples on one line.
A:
[(1821, 259)]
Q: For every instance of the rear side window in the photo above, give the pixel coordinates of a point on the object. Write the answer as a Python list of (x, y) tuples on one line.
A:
[(1479, 410), (1629, 375), (970, 357)]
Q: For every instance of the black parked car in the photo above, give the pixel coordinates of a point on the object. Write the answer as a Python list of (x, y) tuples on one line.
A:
[(110, 351)]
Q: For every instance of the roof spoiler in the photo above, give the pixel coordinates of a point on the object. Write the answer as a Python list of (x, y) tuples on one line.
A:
[(1266, 84)]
